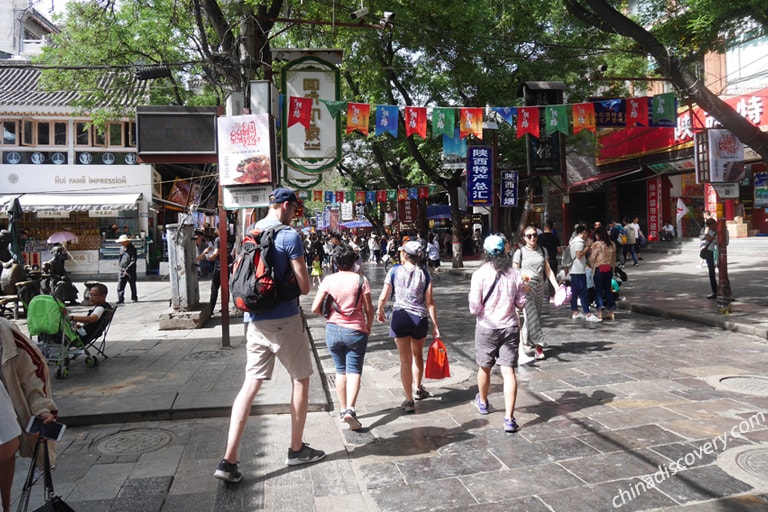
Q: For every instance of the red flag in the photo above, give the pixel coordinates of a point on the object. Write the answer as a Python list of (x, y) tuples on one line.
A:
[(471, 122), (636, 112), (528, 121), (358, 116), (339, 196), (416, 121), (299, 111), (584, 117), (423, 192), (381, 196)]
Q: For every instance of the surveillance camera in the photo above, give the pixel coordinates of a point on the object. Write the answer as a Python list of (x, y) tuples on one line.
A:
[(389, 16), (358, 14)]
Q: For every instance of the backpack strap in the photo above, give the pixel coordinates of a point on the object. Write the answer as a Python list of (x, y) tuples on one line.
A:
[(493, 287), (357, 300)]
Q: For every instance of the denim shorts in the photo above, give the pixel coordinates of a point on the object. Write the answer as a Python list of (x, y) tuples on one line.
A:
[(347, 348)]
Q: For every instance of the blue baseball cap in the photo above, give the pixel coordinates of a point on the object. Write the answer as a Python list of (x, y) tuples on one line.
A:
[(494, 244), (281, 195)]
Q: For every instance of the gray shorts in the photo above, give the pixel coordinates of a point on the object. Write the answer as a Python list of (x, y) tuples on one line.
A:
[(496, 346), (284, 339)]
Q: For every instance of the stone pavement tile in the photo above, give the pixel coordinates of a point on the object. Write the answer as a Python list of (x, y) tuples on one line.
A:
[(201, 502), (742, 503), (433, 495), (598, 380), (708, 371), (559, 428), (333, 476), (648, 400), (89, 505), (702, 428), (630, 438), (103, 481), (517, 452), (448, 463), (518, 483), (145, 494), (702, 483), (606, 467), (647, 387), (710, 408), (637, 417), (195, 476), (527, 504), (378, 475), (617, 495), (346, 503), (158, 463), (693, 453)]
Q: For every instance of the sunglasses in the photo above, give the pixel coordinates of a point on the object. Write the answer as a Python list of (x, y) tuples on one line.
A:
[(531, 235)]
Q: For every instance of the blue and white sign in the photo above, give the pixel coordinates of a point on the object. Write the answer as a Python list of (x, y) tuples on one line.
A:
[(479, 176), (509, 182)]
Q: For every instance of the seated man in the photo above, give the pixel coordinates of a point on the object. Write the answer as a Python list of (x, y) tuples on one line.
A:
[(667, 232), (89, 324)]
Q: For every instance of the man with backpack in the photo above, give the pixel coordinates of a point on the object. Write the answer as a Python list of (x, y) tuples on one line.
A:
[(276, 332)]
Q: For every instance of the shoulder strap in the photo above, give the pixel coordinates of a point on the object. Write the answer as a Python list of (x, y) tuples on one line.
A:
[(493, 287), (357, 299)]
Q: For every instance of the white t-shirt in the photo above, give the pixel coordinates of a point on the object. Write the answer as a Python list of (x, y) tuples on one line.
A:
[(579, 265)]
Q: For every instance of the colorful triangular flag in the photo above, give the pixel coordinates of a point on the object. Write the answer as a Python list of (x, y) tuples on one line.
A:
[(556, 119), (358, 116), (584, 117), (334, 107), (299, 111), (636, 112), (528, 121), (443, 121), (416, 121), (471, 122), (386, 119)]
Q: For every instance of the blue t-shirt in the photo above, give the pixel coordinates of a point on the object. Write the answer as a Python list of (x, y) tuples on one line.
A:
[(288, 246)]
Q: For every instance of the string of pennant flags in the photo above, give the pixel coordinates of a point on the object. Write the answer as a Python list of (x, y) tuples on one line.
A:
[(658, 111), (368, 196)]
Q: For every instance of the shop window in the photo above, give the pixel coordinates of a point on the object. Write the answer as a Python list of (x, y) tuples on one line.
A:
[(43, 133), (10, 133), (82, 133), (27, 133), (116, 134), (131, 134), (60, 133), (99, 138)]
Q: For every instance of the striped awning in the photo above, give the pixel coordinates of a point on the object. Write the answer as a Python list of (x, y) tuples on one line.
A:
[(72, 202)]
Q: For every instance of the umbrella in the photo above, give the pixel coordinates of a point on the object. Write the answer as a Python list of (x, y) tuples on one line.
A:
[(60, 237), (15, 215)]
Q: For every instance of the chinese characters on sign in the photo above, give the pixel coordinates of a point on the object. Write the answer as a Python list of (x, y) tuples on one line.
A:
[(407, 211), (314, 147), (654, 191), (244, 151), (479, 176), (509, 180)]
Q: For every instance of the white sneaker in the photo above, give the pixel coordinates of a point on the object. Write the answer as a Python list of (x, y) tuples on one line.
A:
[(578, 316), (593, 318)]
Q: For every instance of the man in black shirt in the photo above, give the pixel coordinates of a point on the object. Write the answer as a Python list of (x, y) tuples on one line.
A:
[(549, 240)]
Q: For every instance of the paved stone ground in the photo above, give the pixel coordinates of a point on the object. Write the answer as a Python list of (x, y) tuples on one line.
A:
[(612, 406)]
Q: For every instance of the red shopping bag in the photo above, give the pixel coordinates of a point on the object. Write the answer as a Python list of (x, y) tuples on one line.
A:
[(437, 361)]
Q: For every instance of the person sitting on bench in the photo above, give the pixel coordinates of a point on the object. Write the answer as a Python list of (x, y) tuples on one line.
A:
[(89, 324)]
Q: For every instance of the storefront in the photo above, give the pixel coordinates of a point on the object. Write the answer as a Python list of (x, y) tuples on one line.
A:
[(87, 205)]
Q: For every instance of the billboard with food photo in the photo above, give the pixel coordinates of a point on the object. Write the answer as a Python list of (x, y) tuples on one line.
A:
[(244, 150)]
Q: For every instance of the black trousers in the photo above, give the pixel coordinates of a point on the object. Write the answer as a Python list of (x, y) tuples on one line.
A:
[(130, 278)]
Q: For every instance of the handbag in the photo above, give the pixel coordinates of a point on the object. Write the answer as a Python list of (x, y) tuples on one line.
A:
[(604, 268), (563, 295), (705, 254), (437, 366), (329, 303), (52, 503)]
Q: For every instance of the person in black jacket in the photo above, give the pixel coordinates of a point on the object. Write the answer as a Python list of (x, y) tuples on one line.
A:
[(127, 271)]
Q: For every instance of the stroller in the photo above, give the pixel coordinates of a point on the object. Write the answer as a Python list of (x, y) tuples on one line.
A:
[(59, 342)]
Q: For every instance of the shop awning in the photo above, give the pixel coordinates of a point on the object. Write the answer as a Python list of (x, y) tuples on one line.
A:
[(78, 202), (602, 177)]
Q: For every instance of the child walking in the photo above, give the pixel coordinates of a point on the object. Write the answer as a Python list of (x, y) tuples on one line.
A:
[(317, 270)]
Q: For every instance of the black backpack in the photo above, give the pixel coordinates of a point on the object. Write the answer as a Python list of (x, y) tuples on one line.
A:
[(254, 285)]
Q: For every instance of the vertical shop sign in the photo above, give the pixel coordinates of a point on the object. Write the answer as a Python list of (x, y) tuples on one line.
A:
[(712, 201), (406, 211), (654, 209), (479, 176), (314, 149), (509, 180), (244, 150)]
